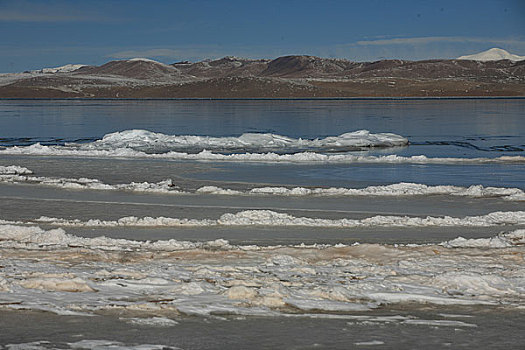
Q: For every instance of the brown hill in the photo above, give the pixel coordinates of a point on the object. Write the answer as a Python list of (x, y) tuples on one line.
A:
[(135, 68), (289, 76), (307, 67), (224, 67)]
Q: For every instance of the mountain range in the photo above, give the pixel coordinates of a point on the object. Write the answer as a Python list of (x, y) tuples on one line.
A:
[(492, 73)]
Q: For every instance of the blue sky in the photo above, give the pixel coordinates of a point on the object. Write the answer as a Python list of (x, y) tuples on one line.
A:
[(36, 34)]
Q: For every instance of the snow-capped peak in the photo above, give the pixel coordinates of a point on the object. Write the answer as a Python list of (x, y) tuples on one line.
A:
[(62, 69), (494, 54), (140, 59)]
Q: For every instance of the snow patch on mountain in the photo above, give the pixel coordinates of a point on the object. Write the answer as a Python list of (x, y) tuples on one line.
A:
[(140, 59), (62, 69), (494, 54)]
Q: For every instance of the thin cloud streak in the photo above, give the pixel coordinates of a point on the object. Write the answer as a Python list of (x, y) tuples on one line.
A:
[(18, 59), (168, 53), (402, 48), (438, 39), (11, 16), (55, 11), (193, 53)]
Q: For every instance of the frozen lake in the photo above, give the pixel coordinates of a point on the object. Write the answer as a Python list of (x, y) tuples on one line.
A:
[(369, 217)]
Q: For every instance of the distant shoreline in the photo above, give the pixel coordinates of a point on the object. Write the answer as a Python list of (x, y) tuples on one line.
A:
[(393, 98), (287, 78)]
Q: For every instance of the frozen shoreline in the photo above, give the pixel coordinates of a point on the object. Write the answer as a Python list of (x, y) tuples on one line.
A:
[(149, 232), (89, 275)]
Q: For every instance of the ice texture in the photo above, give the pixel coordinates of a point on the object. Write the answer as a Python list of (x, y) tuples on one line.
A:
[(58, 284), (14, 170), (91, 344), (369, 343), (151, 321), (55, 271), (114, 345), (516, 237)]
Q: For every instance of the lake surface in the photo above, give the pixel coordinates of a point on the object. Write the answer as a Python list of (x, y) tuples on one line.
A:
[(171, 216), (457, 126)]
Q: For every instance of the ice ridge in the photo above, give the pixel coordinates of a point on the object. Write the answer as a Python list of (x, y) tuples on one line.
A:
[(272, 218), (16, 174), (151, 142), (13, 235), (268, 157)]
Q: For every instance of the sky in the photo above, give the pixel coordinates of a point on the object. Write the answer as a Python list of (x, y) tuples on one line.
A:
[(37, 34)]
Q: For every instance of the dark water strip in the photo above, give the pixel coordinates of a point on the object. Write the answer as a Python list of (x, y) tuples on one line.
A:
[(494, 329)]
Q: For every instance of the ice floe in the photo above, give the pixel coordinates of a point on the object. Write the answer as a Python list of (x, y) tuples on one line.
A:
[(516, 237), (151, 321), (151, 142), (14, 170), (58, 284)]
